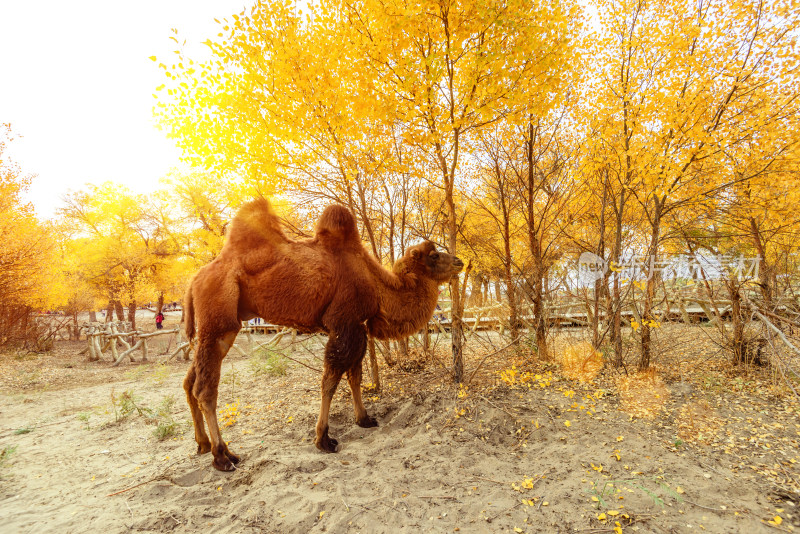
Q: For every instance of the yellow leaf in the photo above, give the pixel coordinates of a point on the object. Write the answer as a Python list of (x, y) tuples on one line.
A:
[(567, 423), (776, 521), (602, 517)]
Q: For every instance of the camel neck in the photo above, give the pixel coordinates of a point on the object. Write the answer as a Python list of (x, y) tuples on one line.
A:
[(404, 309)]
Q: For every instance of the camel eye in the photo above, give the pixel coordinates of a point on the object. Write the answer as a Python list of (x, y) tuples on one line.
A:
[(435, 255)]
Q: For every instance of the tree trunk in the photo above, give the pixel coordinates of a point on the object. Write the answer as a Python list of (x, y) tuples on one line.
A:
[(540, 321), (601, 284), (456, 331), (402, 345), (457, 306), (764, 269), (513, 314), (132, 314), (737, 337), (598, 293), (649, 295), (373, 365), (619, 356), (74, 332), (535, 244), (476, 298)]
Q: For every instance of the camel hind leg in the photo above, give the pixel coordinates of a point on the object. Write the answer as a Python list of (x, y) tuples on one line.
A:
[(208, 364), (330, 379), (200, 436)]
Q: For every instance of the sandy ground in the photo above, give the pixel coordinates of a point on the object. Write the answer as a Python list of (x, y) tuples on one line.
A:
[(544, 454)]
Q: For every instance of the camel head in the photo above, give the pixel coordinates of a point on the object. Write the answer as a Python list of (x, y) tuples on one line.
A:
[(424, 259)]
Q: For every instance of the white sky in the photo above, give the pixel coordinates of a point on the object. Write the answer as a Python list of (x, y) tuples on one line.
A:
[(76, 84)]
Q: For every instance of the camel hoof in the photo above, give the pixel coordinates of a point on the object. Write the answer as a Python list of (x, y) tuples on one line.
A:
[(203, 448), (234, 458), (368, 422), (223, 464), (327, 444)]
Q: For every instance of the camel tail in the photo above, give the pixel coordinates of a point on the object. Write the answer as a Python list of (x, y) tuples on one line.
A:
[(187, 317)]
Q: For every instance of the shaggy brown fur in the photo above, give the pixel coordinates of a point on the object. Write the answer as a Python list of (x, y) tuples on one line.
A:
[(329, 283)]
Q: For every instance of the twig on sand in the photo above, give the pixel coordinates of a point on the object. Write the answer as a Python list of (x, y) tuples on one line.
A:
[(776, 527), (9, 431), (712, 509), (159, 477), (490, 480), (551, 416), (301, 363), (501, 512), (498, 407), (480, 363)]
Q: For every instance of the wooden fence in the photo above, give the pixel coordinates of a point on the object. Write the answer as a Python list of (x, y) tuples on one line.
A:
[(116, 341), (106, 337)]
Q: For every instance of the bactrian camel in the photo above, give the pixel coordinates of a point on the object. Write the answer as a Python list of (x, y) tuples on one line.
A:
[(329, 283)]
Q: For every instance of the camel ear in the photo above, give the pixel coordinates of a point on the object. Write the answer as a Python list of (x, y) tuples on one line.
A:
[(415, 254)]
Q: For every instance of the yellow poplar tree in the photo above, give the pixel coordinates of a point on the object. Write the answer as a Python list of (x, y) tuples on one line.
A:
[(445, 69), (680, 85), (25, 251)]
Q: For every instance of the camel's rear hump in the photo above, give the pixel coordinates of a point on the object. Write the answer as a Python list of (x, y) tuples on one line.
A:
[(254, 226)]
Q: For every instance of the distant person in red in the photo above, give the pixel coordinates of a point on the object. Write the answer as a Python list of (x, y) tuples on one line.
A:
[(160, 320)]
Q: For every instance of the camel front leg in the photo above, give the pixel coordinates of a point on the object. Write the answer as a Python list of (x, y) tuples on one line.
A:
[(354, 379), (330, 379), (346, 346)]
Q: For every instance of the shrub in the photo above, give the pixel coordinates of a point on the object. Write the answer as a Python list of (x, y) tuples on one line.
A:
[(268, 361)]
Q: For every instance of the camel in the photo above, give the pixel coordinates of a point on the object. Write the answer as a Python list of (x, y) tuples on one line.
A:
[(328, 283)]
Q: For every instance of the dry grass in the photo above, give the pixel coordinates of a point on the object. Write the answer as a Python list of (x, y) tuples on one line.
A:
[(579, 361), (642, 395)]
